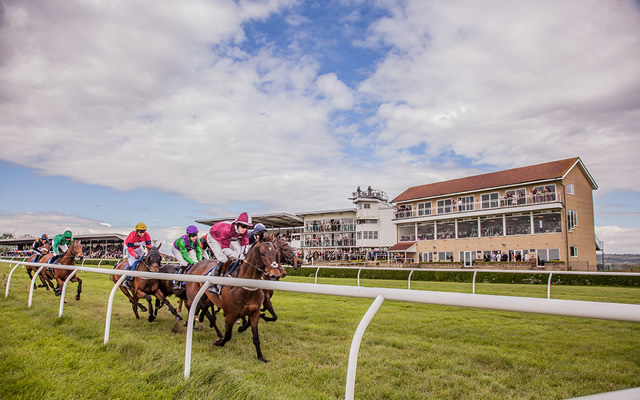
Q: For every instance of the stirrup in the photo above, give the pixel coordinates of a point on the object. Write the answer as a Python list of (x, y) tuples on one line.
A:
[(215, 289)]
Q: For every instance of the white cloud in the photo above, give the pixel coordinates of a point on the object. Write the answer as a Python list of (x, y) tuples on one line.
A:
[(619, 240)]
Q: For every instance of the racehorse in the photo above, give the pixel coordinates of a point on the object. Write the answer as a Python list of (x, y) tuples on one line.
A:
[(144, 287), (288, 256), (59, 274), (237, 302), (33, 269)]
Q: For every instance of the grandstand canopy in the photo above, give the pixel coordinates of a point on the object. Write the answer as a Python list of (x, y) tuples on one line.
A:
[(101, 237), (276, 220)]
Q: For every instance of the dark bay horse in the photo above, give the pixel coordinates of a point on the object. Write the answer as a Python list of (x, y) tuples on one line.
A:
[(59, 274), (145, 288), (237, 302), (33, 269)]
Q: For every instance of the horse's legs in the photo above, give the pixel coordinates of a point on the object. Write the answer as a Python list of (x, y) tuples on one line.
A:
[(76, 279), (149, 299), (58, 289), (268, 306), (160, 299), (229, 320), (134, 304), (245, 325), (255, 318)]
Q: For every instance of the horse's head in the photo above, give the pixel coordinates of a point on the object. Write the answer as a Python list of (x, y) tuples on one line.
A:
[(264, 257), (75, 250), (287, 255), (154, 259)]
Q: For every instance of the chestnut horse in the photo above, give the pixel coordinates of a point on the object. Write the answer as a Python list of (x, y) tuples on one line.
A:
[(59, 274), (237, 302), (288, 256), (33, 269), (144, 287)]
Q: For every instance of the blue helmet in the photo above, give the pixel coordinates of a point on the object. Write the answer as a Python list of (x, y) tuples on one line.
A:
[(259, 228)]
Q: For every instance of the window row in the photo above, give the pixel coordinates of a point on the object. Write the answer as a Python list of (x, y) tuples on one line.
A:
[(520, 255), (331, 225), (505, 225), (509, 198)]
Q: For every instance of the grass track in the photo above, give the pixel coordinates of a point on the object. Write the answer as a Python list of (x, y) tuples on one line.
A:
[(410, 351)]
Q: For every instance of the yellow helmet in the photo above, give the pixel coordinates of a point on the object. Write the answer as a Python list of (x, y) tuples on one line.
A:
[(141, 227)]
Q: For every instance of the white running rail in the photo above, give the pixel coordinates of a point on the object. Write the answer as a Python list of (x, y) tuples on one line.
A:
[(573, 308)]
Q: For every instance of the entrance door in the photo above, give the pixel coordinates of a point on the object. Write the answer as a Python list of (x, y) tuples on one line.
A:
[(466, 258)]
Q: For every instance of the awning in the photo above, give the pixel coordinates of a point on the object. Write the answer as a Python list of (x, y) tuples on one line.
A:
[(276, 220), (409, 247)]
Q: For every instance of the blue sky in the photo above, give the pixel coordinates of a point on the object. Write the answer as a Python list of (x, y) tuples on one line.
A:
[(114, 113)]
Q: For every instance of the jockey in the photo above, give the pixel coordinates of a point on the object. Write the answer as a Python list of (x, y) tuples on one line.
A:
[(61, 243), (228, 240), (187, 250), (137, 245), (39, 246), (206, 250), (257, 234)]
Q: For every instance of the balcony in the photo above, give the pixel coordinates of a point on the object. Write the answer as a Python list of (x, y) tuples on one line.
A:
[(465, 208), (330, 227), (329, 243)]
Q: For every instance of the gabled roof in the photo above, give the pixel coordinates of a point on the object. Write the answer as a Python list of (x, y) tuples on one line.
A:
[(402, 246), (522, 175)]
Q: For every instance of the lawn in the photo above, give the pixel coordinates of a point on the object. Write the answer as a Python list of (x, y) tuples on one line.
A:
[(410, 351)]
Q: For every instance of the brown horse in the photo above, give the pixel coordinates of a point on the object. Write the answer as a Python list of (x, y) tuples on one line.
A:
[(145, 288), (31, 269), (288, 256), (237, 302), (59, 274)]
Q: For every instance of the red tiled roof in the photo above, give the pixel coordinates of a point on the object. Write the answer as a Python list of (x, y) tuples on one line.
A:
[(550, 170), (401, 246)]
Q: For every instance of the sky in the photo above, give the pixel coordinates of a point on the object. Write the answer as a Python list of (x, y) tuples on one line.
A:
[(119, 111)]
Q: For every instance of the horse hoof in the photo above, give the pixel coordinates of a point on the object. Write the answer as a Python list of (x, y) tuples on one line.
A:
[(219, 343), (78, 297), (151, 318), (264, 360)]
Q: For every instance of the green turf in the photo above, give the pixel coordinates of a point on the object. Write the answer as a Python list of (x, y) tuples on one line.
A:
[(410, 351)]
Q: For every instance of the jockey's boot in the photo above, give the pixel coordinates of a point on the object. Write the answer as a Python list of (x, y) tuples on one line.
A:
[(216, 288), (38, 256), (126, 283), (177, 285)]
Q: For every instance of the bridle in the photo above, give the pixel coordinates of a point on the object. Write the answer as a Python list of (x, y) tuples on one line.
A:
[(257, 245)]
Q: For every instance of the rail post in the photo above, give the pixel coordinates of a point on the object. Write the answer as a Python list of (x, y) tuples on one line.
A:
[(6, 291), (318, 270), (409, 281), (192, 313), (64, 290), (33, 282), (549, 286), (107, 326), (355, 346), (359, 269), (474, 282)]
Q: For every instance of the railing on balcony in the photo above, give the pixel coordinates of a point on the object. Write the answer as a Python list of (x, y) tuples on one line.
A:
[(493, 204), (329, 227), (330, 243)]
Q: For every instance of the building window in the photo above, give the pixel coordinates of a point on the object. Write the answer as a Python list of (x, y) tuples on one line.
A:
[(445, 256), (491, 226), (490, 200), (570, 189), (367, 221), (544, 193), (467, 228), (425, 231), (446, 229), (548, 254), (572, 219), (424, 208), (548, 222), (404, 211), (426, 257), (518, 224), (574, 251), (515, 197), (466, 203), (407, 232), (444, 206)]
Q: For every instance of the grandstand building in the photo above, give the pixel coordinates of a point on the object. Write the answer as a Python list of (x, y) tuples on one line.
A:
[(542, 211)]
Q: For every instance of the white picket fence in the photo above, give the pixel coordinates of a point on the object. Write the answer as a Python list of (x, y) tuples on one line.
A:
[(587, 309)]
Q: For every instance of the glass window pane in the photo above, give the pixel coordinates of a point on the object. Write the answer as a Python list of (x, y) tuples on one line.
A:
[(547, 223), (446, 230), (425, 231), (491, 227), (518, 225), (467, 229), (407, 233)]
